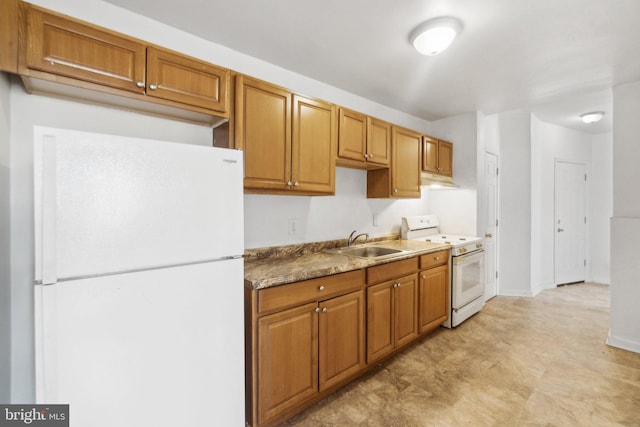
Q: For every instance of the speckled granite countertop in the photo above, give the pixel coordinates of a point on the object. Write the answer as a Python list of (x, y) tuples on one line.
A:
[(280, 265)]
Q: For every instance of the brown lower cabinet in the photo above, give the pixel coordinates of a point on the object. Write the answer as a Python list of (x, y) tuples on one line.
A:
[(306, 339)]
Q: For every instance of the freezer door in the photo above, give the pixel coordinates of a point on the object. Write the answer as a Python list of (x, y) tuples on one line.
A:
[(107, 204), (154, 348)]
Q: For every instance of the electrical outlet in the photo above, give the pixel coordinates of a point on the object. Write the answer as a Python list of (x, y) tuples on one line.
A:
[(293, 226)]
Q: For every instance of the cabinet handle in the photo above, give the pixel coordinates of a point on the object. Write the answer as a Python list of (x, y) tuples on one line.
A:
[(317, 310), (488, 235), (140, 84), (324, 309), (153, 87), (321, 288)]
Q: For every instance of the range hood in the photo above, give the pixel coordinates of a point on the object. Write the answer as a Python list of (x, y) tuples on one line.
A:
[(433, 181)]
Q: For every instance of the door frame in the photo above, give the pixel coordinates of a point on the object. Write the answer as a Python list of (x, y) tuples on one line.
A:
[(496, 233)]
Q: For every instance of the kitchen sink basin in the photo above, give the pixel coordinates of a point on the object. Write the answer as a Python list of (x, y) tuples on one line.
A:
[(368, 251)]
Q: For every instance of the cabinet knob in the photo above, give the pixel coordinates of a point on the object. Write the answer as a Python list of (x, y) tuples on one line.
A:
[(395, 190), (366, 156), (289, 183), (437, 258), (424, 277), (371, 156), (395, 285), (321, 288), (317, 310), (324, 309), (153, 87), (295, 184), (140, 84)]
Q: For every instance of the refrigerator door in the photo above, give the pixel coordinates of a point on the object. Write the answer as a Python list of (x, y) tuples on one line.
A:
[(109, 204), (154, 348)]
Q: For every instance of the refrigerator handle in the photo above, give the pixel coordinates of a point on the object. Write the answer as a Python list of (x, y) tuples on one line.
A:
[(49, 195)]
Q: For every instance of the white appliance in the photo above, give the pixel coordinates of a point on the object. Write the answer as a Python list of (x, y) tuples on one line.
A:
[(139, 280), (467, 265)]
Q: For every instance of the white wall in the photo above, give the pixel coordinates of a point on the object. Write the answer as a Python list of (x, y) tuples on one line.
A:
[(550, 143), (325, 217), (457, 208), (318, 216), (624, 330), (515, 203), (5, 247), (600, 207)]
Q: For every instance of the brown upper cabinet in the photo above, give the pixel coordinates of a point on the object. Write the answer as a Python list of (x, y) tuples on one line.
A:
[(289, 141), (402, 179), (363, 142), (60, 49), (437, 156)]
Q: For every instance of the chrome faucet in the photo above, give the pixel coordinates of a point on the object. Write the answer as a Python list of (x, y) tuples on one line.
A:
[(352, 239)]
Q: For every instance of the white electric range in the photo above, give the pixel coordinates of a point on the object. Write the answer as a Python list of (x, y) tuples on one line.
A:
[(467, 265)]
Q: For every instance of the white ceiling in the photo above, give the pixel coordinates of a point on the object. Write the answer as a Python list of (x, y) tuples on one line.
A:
[(555, 58)]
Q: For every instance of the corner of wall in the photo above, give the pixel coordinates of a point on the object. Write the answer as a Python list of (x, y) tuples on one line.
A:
[(5, 241)]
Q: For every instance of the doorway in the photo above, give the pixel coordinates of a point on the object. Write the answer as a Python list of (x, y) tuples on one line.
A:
[(569, 222), (491, 225)]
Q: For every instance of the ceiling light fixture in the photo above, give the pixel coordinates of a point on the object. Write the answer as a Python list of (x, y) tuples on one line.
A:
[(592, 117), (435, 35)]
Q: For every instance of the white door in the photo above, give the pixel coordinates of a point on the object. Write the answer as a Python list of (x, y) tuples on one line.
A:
[(570, 222), (491, 225)]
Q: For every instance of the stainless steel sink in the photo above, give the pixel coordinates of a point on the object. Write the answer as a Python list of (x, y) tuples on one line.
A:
[(368, 251)]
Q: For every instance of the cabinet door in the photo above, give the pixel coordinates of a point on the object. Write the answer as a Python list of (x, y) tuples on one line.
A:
[(434, 297), (341, 338), (445, 158), (287, 360), (406, 309), (313, 149), (405, 169), (263, 132), (429, 154), (352, 135), (68, 48), (378, 142), (187, 80), (380, 339)]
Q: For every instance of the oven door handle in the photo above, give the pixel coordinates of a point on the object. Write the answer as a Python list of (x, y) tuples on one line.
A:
[(467, 257)]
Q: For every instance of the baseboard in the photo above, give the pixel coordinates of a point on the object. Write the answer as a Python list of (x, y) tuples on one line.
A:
[(514, 293), (623, 343)]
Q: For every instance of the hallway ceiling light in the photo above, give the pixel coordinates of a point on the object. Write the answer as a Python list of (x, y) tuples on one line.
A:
[(592, 117), (435, 35)]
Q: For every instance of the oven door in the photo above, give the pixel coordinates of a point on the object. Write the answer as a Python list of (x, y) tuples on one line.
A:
[(467, 280)]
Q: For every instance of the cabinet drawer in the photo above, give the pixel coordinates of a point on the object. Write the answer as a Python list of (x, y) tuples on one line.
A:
[(383, 272), (434, 259), (284, 296)]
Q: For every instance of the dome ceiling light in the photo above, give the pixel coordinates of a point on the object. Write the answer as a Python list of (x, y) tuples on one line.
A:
[(435, 35), (592, 117)]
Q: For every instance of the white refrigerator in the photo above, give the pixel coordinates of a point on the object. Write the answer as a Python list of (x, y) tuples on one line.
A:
[(139, 280)]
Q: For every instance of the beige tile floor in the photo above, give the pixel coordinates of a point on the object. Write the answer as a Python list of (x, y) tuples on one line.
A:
[(537, 361)]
